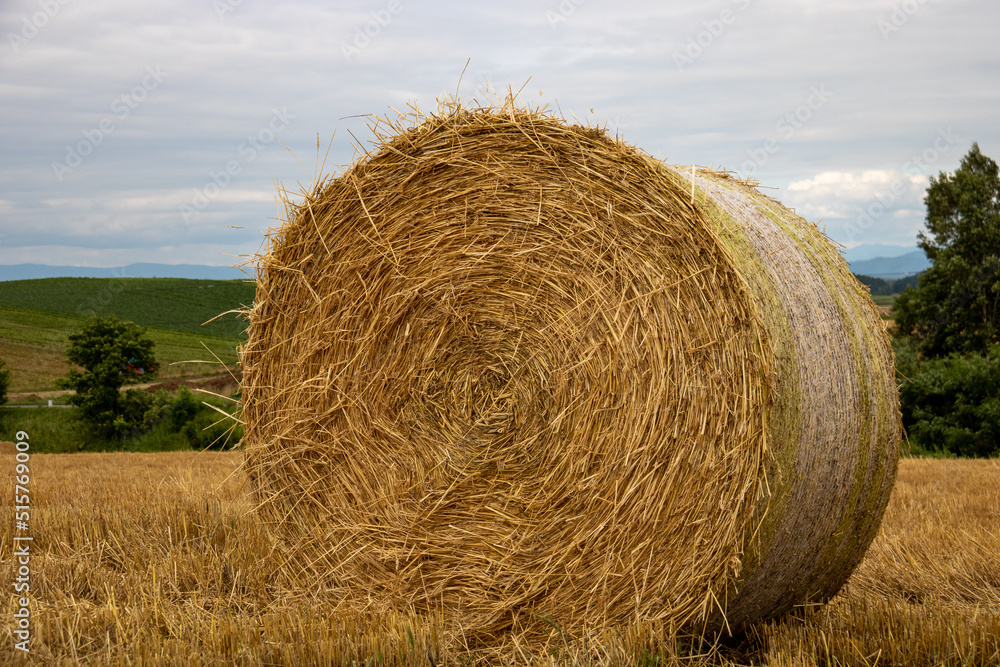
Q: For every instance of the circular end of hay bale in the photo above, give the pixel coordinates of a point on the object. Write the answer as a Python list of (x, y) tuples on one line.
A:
[(507, 369), (505, 365)]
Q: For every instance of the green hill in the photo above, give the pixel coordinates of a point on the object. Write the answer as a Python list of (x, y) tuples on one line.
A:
[(175, 304), (37, 317)]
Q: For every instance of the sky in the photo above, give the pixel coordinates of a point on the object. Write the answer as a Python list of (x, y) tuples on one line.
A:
[(161, 132)]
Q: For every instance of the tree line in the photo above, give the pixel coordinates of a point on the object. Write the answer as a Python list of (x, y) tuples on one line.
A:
[(887, 286)]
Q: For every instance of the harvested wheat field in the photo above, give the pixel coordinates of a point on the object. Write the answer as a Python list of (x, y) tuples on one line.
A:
[(512, 371), (158, 559)]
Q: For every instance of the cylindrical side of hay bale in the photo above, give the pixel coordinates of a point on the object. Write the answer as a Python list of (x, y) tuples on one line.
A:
[(834, 414), (506, 368)]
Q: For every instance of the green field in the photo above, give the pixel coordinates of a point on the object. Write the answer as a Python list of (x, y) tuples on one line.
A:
[(884, 299), (169, 304), (37, 317)]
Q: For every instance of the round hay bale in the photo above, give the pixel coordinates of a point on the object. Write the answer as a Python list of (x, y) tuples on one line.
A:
[(507, 368)]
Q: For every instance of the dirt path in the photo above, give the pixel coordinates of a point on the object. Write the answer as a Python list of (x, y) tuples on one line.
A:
[(39, 394), (210, 383)]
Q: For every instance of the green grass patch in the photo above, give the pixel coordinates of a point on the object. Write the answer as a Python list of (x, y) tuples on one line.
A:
[(884, 299), (41, 401), (175, 348), (168, 304), (33, 344), (36, 328), (53, 430), (32, 367), (912, 448), (60, 430)]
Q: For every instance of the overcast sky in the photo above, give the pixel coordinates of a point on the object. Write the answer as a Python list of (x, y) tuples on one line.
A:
[(156, 132)]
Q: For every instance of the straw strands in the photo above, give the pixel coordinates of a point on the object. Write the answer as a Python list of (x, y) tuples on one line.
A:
[(511, 370)]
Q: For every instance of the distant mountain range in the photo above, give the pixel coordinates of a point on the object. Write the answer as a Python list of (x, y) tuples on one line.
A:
[(871, 259), (30, 271), (873, 250), (891, 265)]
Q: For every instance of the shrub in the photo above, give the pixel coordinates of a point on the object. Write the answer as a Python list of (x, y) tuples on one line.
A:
[(180, 420), (210, 430), (951, 404)]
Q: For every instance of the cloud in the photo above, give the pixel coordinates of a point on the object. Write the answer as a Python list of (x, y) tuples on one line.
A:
[(107, 256), (138, 219), (838, 194), (881, 205), (226, 72)]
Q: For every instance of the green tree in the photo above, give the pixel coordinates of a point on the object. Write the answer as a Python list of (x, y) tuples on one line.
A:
[(950, 404), (4, 381), (956, 305), (111, 352)]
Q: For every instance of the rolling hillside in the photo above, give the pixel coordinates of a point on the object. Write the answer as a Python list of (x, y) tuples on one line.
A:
[(37, 317), (176, 304)]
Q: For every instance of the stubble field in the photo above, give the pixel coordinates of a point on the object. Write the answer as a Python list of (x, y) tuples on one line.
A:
[(157, 559)]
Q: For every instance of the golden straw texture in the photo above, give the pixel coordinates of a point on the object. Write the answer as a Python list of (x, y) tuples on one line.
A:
[(509, 369)]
